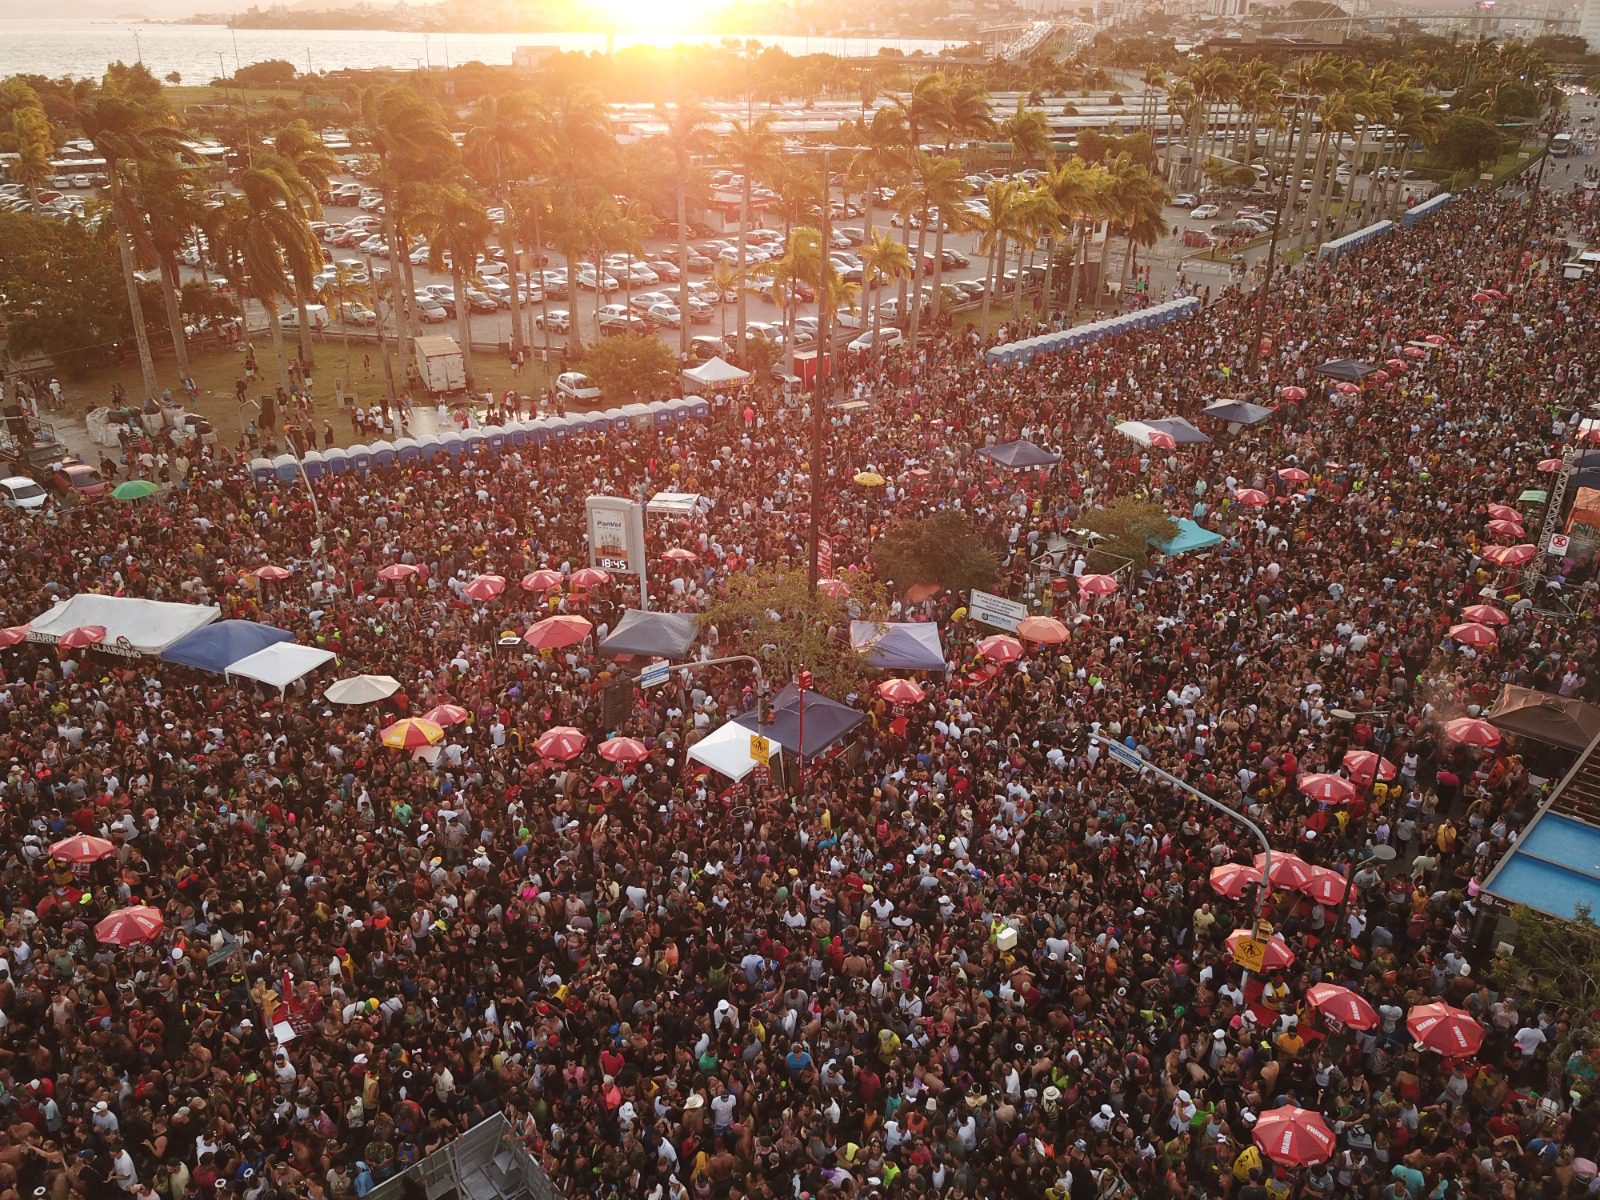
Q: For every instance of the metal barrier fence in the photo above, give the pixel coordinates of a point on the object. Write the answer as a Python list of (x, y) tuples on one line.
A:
[(485, 1163)]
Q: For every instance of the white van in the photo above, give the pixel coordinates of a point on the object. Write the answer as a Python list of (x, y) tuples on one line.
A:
[(1585, 264), (316, 318)]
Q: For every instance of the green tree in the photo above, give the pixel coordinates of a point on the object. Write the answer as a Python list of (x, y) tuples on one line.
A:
[(35, 140), (1555, 962), (1029, 135), (457, 228), (632, 367), (1467, 143), (688, 134), (299, 146), (755, 146), (53, 294), (274, 72), (944, 548), (1126, 527), (172, 207), (501, 146), (127, 132), (770, 614), (884, 259)]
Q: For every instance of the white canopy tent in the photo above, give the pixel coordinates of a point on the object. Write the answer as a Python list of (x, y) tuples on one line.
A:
[(133, 627), (280, 664), (716, 373), (727, 751), (676, 504)]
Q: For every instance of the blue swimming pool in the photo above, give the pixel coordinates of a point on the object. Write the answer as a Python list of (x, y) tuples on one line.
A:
[(1555, 868)]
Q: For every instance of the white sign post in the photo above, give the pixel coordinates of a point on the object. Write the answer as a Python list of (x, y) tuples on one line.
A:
[(616, 539), (988, 609), (1560, 543)]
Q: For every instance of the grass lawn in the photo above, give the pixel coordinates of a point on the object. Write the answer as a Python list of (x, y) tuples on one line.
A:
[(215, 372)]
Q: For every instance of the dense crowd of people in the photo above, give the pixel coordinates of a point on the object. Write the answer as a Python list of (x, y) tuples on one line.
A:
[(977, 959)]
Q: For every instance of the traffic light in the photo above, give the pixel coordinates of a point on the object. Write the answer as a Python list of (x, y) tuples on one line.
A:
[(616, 703)]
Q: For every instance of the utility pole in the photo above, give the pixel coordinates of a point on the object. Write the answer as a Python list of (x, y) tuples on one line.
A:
[(1262, 297)]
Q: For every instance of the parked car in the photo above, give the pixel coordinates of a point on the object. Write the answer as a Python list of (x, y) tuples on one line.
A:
[(79, 480), (428, 309), (443, 295), (556, 320), (1186, 200), (22, 493), (643, 302), (481, 302), (593, 280), (355, 313), (615, 318), (665, 315), (882, 338), (575, 385), (1205, 212), (665, 271)]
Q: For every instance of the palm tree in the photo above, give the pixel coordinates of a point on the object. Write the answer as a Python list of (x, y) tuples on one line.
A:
[(346, 287), (1039, 217), (1029, 135), (456, 225), (938, 191), (1071, 186), (500, 148), (724, 277), (1142, 204), (1004, 198), (1154, 78), (756, 147), (409, 140), (966, 113), (879, 161), (883, 258), (173, 208), (265, 235), (688, 134), (1098, 204), (126, 133), (35, 141), (529, 205), (925, 112), (302, 149)]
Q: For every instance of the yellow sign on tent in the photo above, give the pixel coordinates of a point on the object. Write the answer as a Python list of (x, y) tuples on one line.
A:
[(760, 748)]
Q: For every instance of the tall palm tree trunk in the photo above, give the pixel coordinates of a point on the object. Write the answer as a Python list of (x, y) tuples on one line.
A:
[(544, 299), (170, 293), (400, 280), (508, 242), (915, 315), (938, 271), (305, 327), (141, 339), (1297, 174), (276, 329), (683, 261), (744, 229), (992, 281), (458, 284)]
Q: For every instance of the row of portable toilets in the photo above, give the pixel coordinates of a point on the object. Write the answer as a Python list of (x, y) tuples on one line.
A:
[(1153, 317), (497, 439)]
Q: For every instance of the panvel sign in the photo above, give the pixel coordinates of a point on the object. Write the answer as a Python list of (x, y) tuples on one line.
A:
[(616, 534)]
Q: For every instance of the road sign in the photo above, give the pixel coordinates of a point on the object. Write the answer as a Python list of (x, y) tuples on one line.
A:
[(655, 673), (988, 609), (1263, 930), (1560, 543), (760, 748), (1251, 954), (1124, 755)]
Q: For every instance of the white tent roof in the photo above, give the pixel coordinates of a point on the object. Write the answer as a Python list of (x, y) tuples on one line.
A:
[(280, 664), (715, 371), (678, 504), (133, 627), (727, 751)]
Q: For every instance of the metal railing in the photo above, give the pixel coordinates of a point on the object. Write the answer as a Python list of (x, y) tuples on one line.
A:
[(484, 1163)]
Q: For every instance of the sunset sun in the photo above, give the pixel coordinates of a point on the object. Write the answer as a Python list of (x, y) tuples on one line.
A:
[(660, 16)]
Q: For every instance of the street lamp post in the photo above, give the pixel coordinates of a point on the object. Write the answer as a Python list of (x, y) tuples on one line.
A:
[(1144, 766), (1381, 739)]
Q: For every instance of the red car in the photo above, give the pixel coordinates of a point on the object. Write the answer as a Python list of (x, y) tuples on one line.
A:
[(79, 480)]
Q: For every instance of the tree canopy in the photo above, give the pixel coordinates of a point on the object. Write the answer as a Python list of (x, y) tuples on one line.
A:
[(944, 548), (631, 367)]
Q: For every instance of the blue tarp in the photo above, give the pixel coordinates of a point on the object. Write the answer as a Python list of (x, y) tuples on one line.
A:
[(1189, 537), (1020, 455), (826, 722), (898, 645), (217, 645)]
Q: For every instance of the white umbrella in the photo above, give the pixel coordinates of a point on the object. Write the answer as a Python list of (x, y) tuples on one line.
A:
[(362, 689)]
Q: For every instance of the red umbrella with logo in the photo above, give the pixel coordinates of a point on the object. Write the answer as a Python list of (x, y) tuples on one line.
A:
[(1503, 512), (1435, 339), (130, 926), (561, 744), (679, 555), (1294, 1137), (13, 635), (552, 633), (1234, 879), (1507, 529), (1470, 633), (1288, 870), (1328, 789), (447, 714), (1000, 648), (902, 691), (1550, 465), (272, 573), (1445, 1029), (542, 580), (1097, 585), (1292, 392), (1047, 631), (624, 750), (1293, 475), (1344, 1006), (1414, 352), (1486, 614), (1251, 497), (484, 587), (395, 572), (81, 848), (1470, 731), (1395, 364), (1160, 439), (1361, 763), (1278, 956), (1347, 388), (834, 589), (1511, 556), (83, 635), (588, 577), (1326, 887)]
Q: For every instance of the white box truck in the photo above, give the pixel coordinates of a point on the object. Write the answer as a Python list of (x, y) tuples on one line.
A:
[(439, 365)]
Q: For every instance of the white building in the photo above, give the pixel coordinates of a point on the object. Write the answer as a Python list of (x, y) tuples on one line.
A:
[(1589, 24)]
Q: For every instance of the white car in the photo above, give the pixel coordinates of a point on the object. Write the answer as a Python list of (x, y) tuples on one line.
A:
[(575, 385), (635, 272), (20, 492), (592, 280), (887, 339), (353, 312), (1205, 212), (665, 314), (1186, 200), (557, 320)]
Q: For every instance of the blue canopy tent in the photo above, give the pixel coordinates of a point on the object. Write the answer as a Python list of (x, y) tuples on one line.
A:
[(898, 645), (261, 470), (360, 457), (652, 634), (1019, 455), (337, 460), (826, 722), (1189, 537), (1346, 370), (384, 454), (213, 647), (1178, 430), (1236, 412)]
